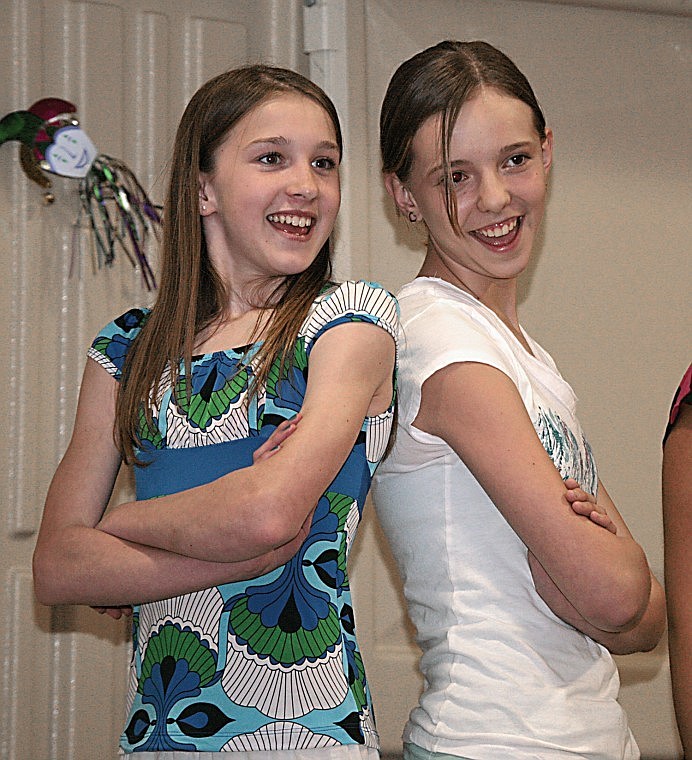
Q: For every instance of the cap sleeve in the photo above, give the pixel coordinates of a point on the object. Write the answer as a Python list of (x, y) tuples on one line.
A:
[(111, 345), (352, 301), (439, 334)]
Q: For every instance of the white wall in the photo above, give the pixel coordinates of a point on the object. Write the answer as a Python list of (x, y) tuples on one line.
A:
[(609, 291)]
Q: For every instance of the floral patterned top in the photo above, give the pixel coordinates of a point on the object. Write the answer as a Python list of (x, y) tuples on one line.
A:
[(271, 663)]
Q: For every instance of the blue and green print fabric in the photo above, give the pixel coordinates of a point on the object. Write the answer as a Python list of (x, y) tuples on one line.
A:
[(270, 663)]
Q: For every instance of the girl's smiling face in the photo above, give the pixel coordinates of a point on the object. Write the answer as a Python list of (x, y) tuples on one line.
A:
[(271, 201), (499, 166)]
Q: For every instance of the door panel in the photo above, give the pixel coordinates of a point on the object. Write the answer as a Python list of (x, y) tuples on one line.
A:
[(130, 67)]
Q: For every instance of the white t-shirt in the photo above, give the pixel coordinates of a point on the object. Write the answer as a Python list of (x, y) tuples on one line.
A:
[(502, 672)]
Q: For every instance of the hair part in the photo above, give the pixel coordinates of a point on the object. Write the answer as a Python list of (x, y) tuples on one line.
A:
[(437, 82), (191, 295)]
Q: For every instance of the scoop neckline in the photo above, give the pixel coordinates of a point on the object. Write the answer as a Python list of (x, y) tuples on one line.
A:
[(241, 350), (536, 353)]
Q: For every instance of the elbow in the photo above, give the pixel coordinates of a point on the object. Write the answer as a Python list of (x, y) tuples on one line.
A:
[(44, 596), (619, 618), (624, 608), (650, 643), (280, 514), (57, 573), (626, 614), (281, 523), (275, 520), (646, 635)]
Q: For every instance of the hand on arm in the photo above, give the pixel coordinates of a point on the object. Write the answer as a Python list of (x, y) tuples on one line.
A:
[(584, 503), (273, 444), (255, 509), (641, 637), (478, 411)]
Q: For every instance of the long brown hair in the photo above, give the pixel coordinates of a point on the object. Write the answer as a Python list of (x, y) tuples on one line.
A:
[(438, 81), (191, 295)]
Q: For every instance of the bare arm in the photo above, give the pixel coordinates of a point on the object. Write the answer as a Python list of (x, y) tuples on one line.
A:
[(478, 411), (252, 510), (641, 637), (677, 529), (74, 563)]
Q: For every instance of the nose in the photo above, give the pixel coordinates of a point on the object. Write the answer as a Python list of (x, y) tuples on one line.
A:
[(493, 194), (302, 182)]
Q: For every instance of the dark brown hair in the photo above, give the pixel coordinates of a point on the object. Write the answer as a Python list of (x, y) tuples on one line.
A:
[(438, 81), (191, 295)]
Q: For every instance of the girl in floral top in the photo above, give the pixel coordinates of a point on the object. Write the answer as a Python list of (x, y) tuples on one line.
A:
[(201, 394)]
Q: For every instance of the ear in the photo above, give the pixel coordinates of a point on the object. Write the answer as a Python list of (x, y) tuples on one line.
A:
[(207, 196), (402, 196), (547, 150)]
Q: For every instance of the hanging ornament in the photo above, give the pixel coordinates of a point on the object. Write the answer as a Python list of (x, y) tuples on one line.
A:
[(113, 204)]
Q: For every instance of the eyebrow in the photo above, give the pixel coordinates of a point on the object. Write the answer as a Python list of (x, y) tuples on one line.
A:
[(323, 145), (460, 162)]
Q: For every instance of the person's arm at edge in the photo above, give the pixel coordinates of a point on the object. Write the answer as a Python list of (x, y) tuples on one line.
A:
[(677, 528)]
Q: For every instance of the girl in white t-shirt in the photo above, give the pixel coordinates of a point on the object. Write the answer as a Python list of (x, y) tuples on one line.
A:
[(518, 584)]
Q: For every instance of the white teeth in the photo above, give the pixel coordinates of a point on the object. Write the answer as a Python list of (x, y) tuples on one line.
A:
[(494, 232), (294, 221)]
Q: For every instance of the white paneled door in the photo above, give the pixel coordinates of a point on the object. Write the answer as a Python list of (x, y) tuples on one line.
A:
[(129, 66)]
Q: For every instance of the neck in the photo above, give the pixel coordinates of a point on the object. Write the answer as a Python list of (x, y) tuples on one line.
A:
[(231, 331), (498, 295)]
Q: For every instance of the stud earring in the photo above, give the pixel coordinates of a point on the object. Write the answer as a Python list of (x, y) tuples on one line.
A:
[(412, 217), (204, 207)]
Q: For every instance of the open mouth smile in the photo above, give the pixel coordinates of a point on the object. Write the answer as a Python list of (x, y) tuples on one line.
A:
[(501, 234), (292, 224)]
